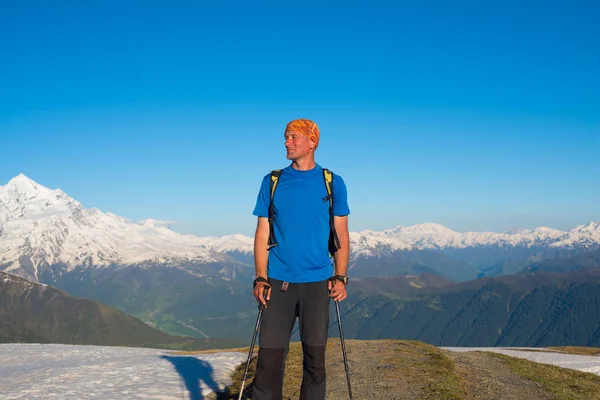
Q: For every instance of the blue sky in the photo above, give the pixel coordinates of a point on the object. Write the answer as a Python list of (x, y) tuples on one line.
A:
[(482, 115)]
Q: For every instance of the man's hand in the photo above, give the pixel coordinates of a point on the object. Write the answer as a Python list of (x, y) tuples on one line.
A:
[(262, 293), (337, 290)]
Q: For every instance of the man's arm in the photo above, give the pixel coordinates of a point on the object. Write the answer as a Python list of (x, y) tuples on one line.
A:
[(261, 257), (341, 256), (338, 289)]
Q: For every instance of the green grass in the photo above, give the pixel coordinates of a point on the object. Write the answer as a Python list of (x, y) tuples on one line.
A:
[(566, 384), (291, 381), (428, 367), (431, 373), (421, 364)]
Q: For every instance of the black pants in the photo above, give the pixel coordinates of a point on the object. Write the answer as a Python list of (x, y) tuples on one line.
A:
[(309, 302)]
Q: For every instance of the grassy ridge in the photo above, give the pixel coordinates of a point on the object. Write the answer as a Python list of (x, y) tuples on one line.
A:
[(565, 384), (416, 362), (398, 369)]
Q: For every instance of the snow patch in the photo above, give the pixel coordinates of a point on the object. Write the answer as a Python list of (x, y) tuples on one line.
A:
[(578, 362), (33, 371)]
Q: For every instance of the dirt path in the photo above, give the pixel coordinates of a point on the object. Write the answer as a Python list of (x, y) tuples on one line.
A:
[(373, 372), (411, 370), (488, 378), (390, 370)]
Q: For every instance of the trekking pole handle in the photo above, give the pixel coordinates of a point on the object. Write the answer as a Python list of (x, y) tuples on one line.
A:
[(266, 288)]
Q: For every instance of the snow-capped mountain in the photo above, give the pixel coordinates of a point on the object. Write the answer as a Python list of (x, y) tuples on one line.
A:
[(229, 244), (435, 236), (44, 227), (40, 226), (431, 236)]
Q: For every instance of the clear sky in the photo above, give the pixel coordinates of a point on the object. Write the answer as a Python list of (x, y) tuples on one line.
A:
[(478, 115)]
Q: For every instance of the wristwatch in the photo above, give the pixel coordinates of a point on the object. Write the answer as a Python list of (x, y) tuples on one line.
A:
[(341, 278)]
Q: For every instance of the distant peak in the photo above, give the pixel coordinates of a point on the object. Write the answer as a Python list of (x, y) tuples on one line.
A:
[(154, 223), (149, 222), (22, 183), (516, 231), (546, 229), (25, 189), (431, 226), (21, 178), (426, 228), (592, 226)]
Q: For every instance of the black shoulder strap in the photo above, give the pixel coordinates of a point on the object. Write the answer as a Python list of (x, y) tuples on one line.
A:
[(275, 174), (334, 241)]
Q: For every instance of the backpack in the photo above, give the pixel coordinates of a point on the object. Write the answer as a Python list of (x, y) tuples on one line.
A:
[(334, 241)]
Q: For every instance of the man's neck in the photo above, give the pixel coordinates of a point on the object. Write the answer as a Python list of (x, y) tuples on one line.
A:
[(304, 164)]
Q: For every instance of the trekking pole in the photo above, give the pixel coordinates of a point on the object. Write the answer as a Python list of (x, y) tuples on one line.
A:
[(337, 309), (261, 307)]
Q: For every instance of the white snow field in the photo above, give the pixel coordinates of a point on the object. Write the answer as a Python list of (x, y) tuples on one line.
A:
[(53, 371), (581, 363)]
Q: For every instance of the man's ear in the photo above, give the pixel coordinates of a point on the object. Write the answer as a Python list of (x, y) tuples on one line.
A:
[(313, 145)]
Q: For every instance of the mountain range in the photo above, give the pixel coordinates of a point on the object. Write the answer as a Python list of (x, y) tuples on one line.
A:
[(200, 286), (45, 233), (529, 309)]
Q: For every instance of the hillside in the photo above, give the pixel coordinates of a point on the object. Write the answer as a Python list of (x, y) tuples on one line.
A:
[(535, 309), (174, 300), (540, 308), (566, 264), (407, 370), (35, 313)]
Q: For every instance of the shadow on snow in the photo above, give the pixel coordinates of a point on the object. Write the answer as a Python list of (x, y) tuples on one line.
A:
[(194, 372)]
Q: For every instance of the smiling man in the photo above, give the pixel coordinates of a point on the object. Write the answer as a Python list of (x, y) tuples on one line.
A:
[(299, 224)]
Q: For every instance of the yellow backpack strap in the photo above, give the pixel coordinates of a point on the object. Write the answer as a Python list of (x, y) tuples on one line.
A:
[(334, 241), (275, 174), (328, 176)]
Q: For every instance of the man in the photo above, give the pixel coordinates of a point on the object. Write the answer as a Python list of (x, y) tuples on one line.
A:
[(298, 268)]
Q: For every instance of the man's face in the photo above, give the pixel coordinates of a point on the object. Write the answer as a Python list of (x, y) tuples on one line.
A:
[(297, 145)]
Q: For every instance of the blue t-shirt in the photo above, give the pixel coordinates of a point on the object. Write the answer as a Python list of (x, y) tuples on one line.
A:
[(301, 227)]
